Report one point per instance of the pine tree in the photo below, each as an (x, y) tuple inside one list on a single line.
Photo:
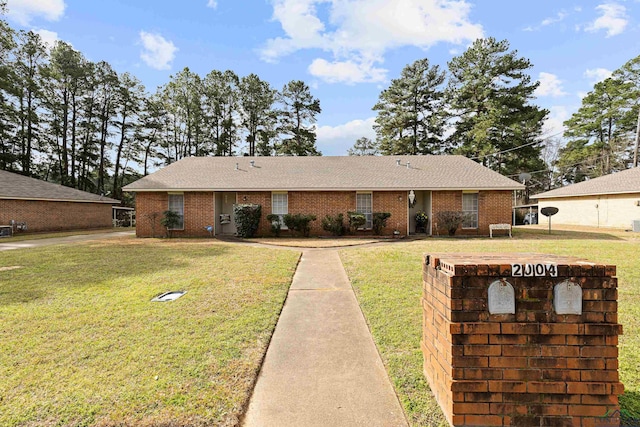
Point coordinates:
[(220, 106), (411, 117), (364, 147), (489, 94), (257, 114), (297, 119)]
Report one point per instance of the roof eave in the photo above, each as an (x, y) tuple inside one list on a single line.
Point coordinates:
[(44, 199), (457, 188)]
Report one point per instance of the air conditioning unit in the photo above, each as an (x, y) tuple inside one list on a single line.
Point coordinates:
[(635, 225)]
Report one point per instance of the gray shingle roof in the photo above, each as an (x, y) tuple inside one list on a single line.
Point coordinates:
[(15, 186), (624, 182), (324, 173)]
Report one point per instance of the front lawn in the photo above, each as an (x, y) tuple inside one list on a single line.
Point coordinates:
[(82, 344), (388, 284)]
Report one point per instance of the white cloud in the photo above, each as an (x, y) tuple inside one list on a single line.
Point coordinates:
[(23, 11), (349, 72), (336, 140), (357, 33), (553, 124), (212, 4), (554, 19), (550, 85), (559, 17), (613, 20), (596, 75), (157, 52), (48, 37)]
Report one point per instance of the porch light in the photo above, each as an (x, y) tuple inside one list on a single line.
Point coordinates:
[(412, 198)]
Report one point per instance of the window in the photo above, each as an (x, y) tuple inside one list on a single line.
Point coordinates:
[(364, 206), (176, 204), (470, 209), (280, 205)]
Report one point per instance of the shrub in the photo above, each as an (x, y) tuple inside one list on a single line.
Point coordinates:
[(450, 220), (299, 223), (356, 220), (170, 220), (334, 224), (276, 224), (380, 221), (247, 218)]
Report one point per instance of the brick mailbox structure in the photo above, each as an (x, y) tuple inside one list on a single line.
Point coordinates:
[(521, 339)]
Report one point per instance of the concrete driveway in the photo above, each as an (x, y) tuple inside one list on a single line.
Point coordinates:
[(38, 243)]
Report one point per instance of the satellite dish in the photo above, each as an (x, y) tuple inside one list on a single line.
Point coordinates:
[(524, 177)]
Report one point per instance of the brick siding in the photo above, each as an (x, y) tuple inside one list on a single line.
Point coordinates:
[(531, 368), (198, 213), (55, 216), (493, 206)]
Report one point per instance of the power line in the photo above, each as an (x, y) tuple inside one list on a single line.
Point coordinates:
[(518, 147)]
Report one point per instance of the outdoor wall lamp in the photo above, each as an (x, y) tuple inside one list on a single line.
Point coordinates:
[(412, 198)]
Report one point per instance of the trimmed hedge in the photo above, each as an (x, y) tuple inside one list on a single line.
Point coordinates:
[(299, 223), (247, 218)]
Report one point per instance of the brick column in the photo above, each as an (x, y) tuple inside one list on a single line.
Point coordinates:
[(534, 367)]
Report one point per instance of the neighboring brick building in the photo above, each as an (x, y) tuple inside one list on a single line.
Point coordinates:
[(44, 206), (203, 191)]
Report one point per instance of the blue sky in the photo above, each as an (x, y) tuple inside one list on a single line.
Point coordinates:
[(346, 50)]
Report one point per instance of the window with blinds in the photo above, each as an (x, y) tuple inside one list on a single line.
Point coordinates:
[(470, 209), (176, 204), (280, 205), (364, 206)]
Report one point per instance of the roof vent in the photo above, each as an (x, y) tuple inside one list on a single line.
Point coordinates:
[(253, 163), (237, 166), (397, 162), (408, 165)]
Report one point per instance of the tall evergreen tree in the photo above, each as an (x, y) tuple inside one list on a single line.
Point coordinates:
[(65, 74), (364, 147), (297, 119), (8, 89), (411, 117), (107, 87), (221, 100), (490, 95), (602, 132), (130, 94), (256, 102)]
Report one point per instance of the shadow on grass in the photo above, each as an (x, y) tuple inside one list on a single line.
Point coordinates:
[(538, 233), (630, 409), (80, 265)]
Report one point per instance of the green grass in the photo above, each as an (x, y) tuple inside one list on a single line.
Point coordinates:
[(388, 285), (81, 344)]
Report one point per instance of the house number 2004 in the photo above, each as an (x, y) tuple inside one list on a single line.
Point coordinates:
[(531, 270)]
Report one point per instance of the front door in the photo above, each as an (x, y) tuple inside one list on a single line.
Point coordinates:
[(225, 224), (422, 204)]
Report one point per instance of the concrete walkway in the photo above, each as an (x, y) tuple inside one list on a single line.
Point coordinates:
[(37, 243), (322, 367)]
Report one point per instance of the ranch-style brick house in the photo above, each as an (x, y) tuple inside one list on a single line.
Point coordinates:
[(45, 206), (203, 190)]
